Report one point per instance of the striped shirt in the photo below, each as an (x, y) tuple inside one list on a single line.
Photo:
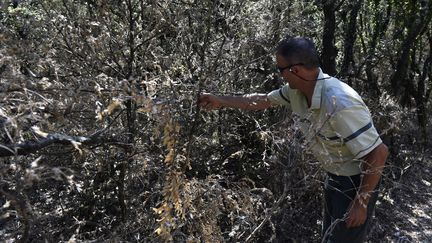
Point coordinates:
[(338, 126)]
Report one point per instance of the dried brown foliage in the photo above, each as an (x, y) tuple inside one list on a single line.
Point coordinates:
[(101, 137)]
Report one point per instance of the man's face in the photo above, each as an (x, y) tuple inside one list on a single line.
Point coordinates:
[(287, 72)]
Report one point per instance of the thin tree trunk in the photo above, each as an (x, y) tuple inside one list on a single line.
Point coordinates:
[(415, 27), (421, 102), (380, 27), (350, 38), (329, 51), (429, 71)]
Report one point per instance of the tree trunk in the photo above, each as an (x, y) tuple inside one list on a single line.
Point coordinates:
[(420, 98), (350, 38), (429, 71), (329, 51), (415, 27), (380, 27)]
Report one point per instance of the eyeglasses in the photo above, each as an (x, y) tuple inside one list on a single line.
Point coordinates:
[(281, 69)]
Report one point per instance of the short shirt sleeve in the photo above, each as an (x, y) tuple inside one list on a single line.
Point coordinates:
[(280, 96), (354, 125)]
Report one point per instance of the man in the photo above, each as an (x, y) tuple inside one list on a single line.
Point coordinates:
[(338, 129)]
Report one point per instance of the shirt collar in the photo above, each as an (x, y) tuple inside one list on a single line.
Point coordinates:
[(316, 97)]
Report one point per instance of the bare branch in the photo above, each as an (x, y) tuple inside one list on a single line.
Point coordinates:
[(31, 147)]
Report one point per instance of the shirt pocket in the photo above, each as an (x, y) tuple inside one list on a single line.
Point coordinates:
[(329, 138)]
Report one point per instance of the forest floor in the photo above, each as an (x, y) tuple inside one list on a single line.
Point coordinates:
[(404, 212)]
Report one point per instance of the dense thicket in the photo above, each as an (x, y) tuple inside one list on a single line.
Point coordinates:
[(102, 139)]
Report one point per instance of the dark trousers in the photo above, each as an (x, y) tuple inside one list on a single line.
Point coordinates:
[(339, 191)]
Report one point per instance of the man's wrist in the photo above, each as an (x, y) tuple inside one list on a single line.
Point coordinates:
[(363, 198)]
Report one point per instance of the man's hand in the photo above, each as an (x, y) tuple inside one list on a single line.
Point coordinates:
[(357, 213), (209, 101)]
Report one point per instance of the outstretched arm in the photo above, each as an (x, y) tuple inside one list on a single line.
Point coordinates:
[(245, 102)]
